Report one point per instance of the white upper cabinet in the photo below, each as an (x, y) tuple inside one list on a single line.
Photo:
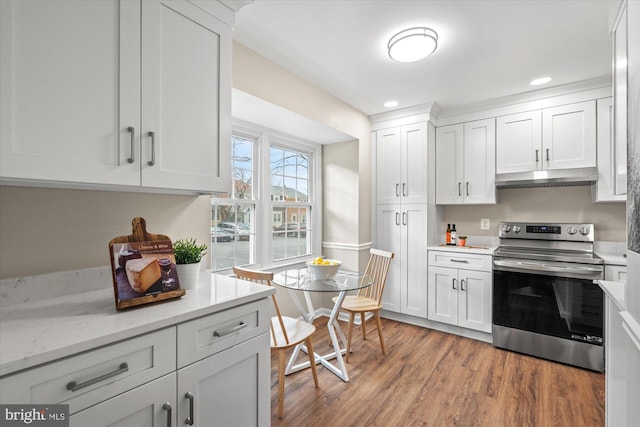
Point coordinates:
[(85, 85), (465, 163), (401, 164), (562, 137)]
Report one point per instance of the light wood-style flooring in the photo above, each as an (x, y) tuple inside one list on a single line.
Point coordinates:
[(430, 378)]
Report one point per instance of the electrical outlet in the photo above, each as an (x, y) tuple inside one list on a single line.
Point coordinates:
[(485, 224)]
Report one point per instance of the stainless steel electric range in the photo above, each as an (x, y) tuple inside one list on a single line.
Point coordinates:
[(545, 302)]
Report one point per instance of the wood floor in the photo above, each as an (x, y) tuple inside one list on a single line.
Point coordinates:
[(430, 378)]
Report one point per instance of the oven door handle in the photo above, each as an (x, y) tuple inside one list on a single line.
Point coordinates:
[(546, 267)]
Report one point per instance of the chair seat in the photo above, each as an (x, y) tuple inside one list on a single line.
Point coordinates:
[(297, 331), (358, 304)]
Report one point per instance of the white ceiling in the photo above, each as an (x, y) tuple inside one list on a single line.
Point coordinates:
[(487, 48)]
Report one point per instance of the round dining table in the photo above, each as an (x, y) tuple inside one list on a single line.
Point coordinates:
[(300, 283)]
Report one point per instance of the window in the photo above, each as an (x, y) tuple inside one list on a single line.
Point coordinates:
[(267, 219), (290, 187)]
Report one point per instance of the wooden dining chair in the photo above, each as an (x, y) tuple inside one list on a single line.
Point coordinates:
[(368, 300), (286, 332)]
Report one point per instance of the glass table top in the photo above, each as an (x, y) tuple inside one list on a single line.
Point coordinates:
[(299, 279)]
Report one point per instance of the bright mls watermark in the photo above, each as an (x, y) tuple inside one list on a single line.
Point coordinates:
[(35, 415)]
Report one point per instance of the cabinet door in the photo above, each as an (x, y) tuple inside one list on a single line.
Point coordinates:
[(69, 78), (186, 89), (141, 407), (443, 295), (474, 300), (230, 388), (518, 142), (414, 163), (413, 261), (449, 175), (620, 95), (569, 136), (388, 238), (388, 172), (480, 161), (607, 188)]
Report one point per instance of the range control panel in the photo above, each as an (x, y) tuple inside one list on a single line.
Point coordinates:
[(546, 231)]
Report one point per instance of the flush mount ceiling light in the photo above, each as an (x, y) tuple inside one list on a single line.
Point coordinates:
[(412, 44), (540, 81), (391, 104)]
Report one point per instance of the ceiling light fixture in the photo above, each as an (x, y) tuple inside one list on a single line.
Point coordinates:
[(540, 81), (391, 104), (412, 44)]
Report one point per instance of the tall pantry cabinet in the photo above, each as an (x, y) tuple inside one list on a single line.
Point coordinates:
[(126, 93), (402, 206)]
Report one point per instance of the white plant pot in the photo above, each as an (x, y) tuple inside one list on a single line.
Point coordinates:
[(188, 275)]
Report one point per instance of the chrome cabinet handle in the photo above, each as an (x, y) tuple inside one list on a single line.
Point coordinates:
[(404, 218), (397, 218), (229, 331), (153, 148), (454, 283), (462, 284), (397, 190), (74, 386), (537, 159), (132, 131), (464, 261), (167, 407), (459, 189), (467, 188), (547, 154), (404, 189), (189, 420)]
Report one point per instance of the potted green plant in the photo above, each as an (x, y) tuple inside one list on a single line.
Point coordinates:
[(188, 255), (462, 240)]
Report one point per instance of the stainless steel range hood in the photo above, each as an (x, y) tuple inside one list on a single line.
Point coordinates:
[(550, 178)]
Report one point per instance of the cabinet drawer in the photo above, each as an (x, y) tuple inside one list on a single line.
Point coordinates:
[(208, 335), (462, 261), (94, 376)]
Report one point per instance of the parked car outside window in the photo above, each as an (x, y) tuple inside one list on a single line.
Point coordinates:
[(219, 234), (240, 230), (292, 229)]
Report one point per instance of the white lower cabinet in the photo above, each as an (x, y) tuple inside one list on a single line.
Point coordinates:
[(152, 404), (459, 289), (212, 370), (229, 388), (616, 273)]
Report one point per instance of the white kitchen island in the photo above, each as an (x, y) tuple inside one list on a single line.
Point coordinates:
[(201, 357)]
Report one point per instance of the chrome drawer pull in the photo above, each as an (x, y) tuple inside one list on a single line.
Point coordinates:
[(460, 260), (74, 386), (229, 331), (153, 148), (189, 420), (167, 407), (132, 130)]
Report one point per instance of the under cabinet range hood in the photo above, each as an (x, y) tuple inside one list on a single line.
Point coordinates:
[(548, 178)]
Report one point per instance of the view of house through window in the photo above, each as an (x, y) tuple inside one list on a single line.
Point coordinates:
[(286, 204)]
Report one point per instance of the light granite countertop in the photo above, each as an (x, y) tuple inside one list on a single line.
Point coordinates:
[(40, 331)]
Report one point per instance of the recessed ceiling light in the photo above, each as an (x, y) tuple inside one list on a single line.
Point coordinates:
[(391, 104), (540, 81), (412, 44)]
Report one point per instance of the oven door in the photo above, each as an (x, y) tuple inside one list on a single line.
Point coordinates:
[(540, 298)]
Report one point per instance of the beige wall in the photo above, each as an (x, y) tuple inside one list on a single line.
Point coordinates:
[(49, 230), (259, 77), (553, 204)]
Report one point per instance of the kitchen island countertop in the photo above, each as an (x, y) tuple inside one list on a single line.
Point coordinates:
[(37, 332)]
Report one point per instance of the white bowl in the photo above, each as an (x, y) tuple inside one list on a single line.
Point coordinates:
[(320, 272)]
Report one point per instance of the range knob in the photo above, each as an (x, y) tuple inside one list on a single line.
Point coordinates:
[(572, 230), (506, 228), (516, 229), (584, 230)]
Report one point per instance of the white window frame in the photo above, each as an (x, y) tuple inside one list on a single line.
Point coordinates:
[(263, 205)]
